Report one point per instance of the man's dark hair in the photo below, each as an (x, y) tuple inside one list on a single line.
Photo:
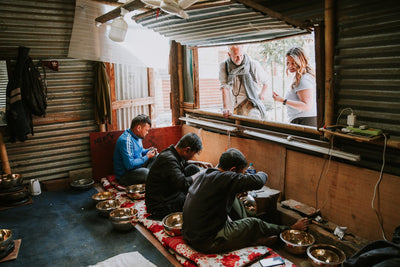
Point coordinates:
[(232, 158), (140, 119), (191, 140)]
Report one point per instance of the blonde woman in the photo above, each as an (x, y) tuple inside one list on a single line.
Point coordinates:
[(300, 100)]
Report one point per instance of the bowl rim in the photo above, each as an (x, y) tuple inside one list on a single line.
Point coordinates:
[(107, 200), (112, 195), (9, 238), (297, 245), (342, 256), (123, 218), (76, 184), (169, 215), (133, 192)]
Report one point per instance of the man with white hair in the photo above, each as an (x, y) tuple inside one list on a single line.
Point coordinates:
[(240, 79)]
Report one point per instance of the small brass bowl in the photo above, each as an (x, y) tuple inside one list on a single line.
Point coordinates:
[(325, 255), (173, 223), (5, 238), (123, 214), (136, 191), (103, 196), (106, 206), (82, 184), (121, 218), (10, 180), (296, 241)]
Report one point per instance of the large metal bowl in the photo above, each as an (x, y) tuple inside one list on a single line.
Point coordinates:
[(122, 218), (5, 238), (82, 184), (10, 180), (296, 241), (103, 196), (325, 255), (136, 191), (106, 206), (173, 223)]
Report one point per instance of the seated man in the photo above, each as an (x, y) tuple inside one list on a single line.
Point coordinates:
[(209, 201), (131, 160), (171, 175)]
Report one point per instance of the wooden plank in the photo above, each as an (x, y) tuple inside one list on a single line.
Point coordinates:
[(130, 6), (344, 193), (133, 103)]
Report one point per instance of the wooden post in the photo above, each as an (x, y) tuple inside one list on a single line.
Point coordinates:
[(4, 156), (174, 81), (329, 56), (180, 78), (151, 91)]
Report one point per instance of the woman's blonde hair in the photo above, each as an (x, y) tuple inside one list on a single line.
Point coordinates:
[(299, 56)]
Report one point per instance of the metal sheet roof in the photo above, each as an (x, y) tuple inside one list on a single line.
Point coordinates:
[(218, 25)]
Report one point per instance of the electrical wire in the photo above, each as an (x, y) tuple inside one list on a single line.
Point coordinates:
[(378, 215), (321, 174), (340, 114)]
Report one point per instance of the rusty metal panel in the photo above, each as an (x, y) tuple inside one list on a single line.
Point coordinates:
[(43, 26), (61, 139), (367, 63)]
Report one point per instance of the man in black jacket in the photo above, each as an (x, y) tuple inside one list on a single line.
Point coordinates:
[(171, 175), (209, 202)]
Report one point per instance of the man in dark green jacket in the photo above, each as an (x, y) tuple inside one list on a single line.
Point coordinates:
[(209, 202)]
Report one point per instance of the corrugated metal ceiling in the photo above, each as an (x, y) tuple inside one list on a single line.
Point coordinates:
[(219, 25)]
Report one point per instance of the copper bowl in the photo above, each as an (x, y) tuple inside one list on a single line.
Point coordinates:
[(10, 180), (122, 218), (106, 206), (325, 255), (103, 196), (5, 238), (136, 191), (173, 223), (296, 241)]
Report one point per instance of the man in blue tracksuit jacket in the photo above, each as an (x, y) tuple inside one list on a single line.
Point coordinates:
[(131, 160)]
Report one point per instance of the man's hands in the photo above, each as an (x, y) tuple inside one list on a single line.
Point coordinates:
[(152, 152), (226, 113)]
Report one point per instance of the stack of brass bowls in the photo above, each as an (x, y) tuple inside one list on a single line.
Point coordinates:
[(12, 191), (6, 242), (173, 223), (122, 218), (101, 196), (106, 206), (296, 241), (136, 191)]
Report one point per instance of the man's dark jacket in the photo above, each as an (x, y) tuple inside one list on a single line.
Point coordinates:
[(166, 184)]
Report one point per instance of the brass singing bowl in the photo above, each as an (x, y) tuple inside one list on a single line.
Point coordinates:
[(10, 180), (296, 241), (325, 255), (103, 196), (82, 184), (172, 223), (136, 191), (5, 238), (121, 218), (106, 206)]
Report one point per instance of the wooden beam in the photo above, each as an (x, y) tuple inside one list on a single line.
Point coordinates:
[(329, 58), (133, 5), (133, 102), (274, 14)]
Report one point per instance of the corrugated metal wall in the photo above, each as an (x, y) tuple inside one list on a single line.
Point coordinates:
[(367, 63), (130, 83), (61, 139)]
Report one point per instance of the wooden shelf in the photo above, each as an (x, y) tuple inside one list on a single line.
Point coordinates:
[(356, 137)]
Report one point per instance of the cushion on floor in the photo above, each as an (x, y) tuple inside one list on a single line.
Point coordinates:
[(186, 255)]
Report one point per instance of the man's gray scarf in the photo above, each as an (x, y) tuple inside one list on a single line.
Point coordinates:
[(248, 79)]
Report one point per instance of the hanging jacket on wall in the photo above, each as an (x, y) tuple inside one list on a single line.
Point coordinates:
[(19, 120)]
